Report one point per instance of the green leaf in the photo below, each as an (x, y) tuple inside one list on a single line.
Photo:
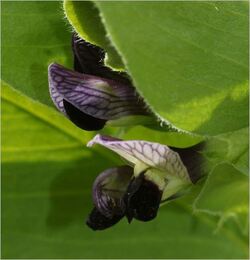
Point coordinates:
[(175, 139), (225, 193), (231, 148), (34, 34), (46, 196), (188, 60), (26, 137), (84, 17)]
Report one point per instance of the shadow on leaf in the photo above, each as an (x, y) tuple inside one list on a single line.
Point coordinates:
[(70, 192)]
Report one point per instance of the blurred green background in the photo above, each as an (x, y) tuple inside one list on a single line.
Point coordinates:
[(47, 171)]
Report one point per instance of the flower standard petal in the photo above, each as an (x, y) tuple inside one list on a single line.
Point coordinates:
[(96, 97), (56, 97), (94, 94), (81, 119), (151, 154)]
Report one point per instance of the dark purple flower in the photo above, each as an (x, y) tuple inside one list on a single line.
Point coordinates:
[(155, 173), (93, 94)]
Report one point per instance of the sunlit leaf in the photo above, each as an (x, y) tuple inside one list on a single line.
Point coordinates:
[(189, 60)]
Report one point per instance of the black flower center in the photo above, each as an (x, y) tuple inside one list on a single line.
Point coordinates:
[(97, 221), (142, 199), (81, 119)]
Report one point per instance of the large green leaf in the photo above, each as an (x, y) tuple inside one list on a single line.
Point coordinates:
[(189, 60), (33, 36)]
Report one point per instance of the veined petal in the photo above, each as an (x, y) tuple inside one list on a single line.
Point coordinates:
[(81, 119), (109, 189), (56, 97), (152, 154), (108, 196), (101, 98), (94, 94)]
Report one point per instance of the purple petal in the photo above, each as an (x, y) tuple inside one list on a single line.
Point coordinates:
[(89, 59), (79, 118), (109, 189), (193, 159), (56, 97), (151, 154), (97, 97)]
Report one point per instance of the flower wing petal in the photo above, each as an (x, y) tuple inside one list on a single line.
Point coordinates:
[(109, 189), (152, 154)]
